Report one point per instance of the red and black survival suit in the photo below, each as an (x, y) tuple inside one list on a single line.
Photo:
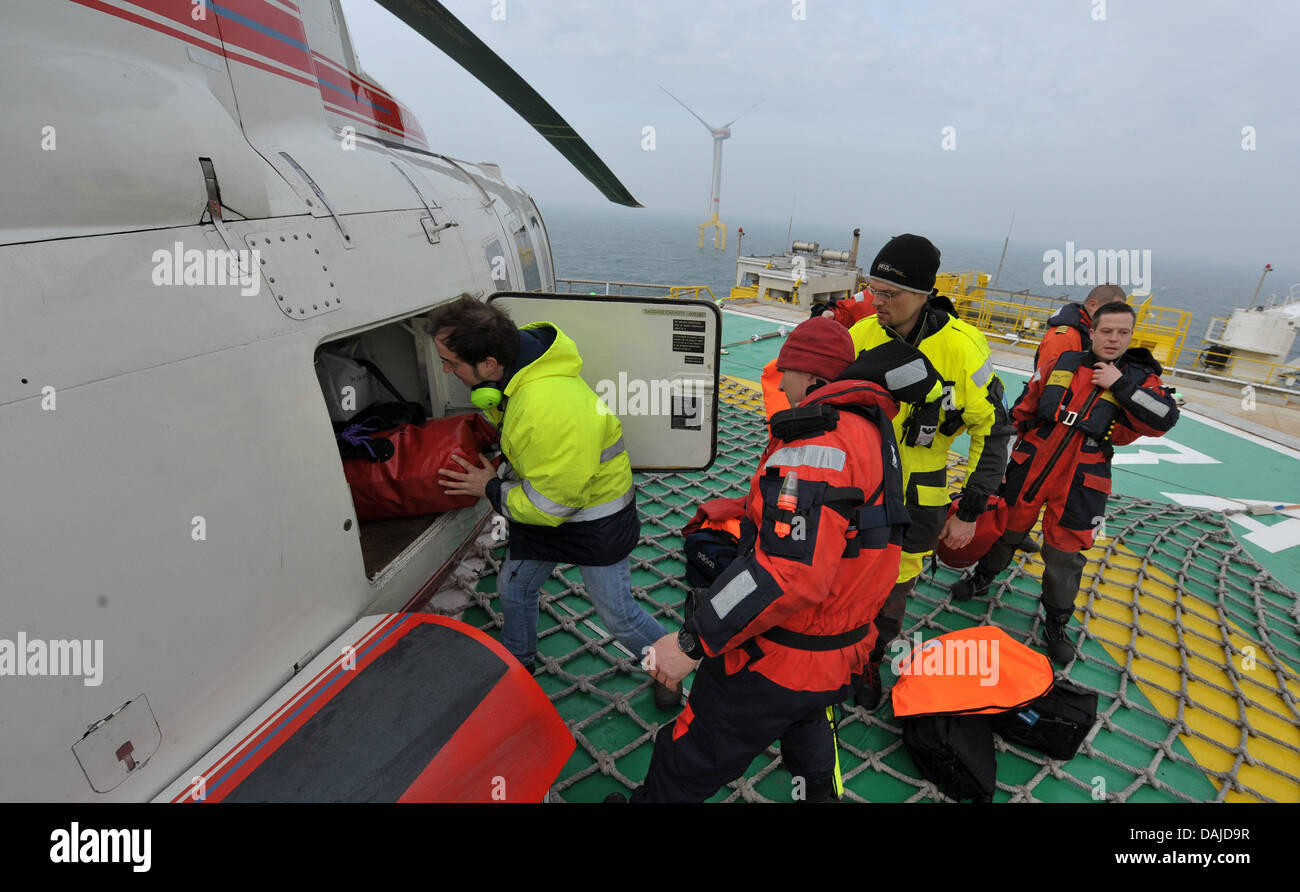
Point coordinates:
[(787, 628), (1061, 459)]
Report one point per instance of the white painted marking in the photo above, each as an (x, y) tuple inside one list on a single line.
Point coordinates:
[(771, 319), (1179, 454), (1270, 537)]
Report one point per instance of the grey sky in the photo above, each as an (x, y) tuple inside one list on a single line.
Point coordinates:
[(1120, 133)]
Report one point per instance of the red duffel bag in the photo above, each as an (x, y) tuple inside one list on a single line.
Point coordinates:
[(408, 484), (989, 526)]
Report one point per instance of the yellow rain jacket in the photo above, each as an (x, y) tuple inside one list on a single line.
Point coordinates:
[(972, 402), (569, 495)]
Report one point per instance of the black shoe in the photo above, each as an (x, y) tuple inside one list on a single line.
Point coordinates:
[(616, 797), (666, 697), (1030, 544), (973, 585), (1059, 647), (871, 691)]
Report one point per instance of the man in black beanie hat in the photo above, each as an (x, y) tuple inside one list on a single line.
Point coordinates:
[(901, 282)]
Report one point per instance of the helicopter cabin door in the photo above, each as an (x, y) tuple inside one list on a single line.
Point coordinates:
[(654, 362)]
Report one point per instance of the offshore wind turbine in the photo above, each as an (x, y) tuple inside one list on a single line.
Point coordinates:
[(719, 134)]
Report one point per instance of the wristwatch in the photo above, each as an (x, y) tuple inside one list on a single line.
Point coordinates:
[(689, 645)]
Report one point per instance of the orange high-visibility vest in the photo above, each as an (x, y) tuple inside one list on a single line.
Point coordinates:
[(774, 399), (967, 672)]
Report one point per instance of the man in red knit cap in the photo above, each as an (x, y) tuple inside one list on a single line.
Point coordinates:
[(785, 631)]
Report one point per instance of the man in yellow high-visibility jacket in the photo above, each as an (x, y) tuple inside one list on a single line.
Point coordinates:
[(902, 287), (571, 498)]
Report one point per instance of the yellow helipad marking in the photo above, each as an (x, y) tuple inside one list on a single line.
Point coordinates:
[(753, 402), (1148, 626)]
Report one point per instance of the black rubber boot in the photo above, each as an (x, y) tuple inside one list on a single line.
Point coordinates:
[(666, 697), (870, 692), (974, 584), (1030, 544), (821, 792), (1060, 648), (888, 623)]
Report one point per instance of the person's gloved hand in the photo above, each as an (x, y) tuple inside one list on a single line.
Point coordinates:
[(820, 308)]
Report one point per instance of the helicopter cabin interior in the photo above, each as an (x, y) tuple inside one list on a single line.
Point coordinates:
[(392, 363)]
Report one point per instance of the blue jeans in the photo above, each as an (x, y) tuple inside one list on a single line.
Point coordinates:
[(608, 588)]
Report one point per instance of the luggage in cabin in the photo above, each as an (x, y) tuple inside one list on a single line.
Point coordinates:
[(362, 437), (408, 484), (353, 386), (1054, 724)]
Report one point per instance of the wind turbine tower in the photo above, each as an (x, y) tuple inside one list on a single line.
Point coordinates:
[(719, 134)]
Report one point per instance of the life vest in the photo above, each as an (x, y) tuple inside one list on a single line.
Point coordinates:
[(875, 519), (1096, 418), (981, 670), (958, 350)]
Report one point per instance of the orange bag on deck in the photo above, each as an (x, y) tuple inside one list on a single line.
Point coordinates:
[(967, 672), (408, 484)]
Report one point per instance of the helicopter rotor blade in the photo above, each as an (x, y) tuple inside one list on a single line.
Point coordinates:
[(435, 23)]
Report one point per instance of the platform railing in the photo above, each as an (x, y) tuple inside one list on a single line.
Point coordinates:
[(633, 289)]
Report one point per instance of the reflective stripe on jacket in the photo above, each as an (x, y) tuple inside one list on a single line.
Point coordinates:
[(568, 461), (972, 403), (794, 570)]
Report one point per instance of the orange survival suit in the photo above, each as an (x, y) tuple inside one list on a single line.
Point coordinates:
[(787, 628)]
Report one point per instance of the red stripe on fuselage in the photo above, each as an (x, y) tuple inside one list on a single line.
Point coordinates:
[(232, 35)]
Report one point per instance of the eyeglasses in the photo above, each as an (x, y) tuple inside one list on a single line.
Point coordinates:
[(886, 294)]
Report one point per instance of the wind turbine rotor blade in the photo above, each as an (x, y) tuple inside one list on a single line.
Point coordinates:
[(432, 21), (742, 114), (688, 108)]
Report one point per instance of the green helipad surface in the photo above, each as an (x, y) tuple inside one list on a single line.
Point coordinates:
[(1190, 643)]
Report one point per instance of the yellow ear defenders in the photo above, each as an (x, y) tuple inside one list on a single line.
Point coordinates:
[(486, 395)]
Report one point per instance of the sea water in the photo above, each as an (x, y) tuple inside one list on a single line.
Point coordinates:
[(644, 245)]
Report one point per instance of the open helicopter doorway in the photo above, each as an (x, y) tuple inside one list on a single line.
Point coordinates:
[(373, 382), (653, 362)]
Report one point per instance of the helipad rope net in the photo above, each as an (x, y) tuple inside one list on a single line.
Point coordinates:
[(1192, 647)]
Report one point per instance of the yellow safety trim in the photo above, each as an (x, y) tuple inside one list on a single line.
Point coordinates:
[(1060, 379), (835, 744), (1151, 632)]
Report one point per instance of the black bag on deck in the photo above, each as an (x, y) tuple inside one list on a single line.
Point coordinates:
[(955, 753), (1055, 724)]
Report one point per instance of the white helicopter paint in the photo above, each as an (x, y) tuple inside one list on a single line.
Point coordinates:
[(171, 483)]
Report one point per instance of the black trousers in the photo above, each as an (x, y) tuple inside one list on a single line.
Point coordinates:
[(730, 720)]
